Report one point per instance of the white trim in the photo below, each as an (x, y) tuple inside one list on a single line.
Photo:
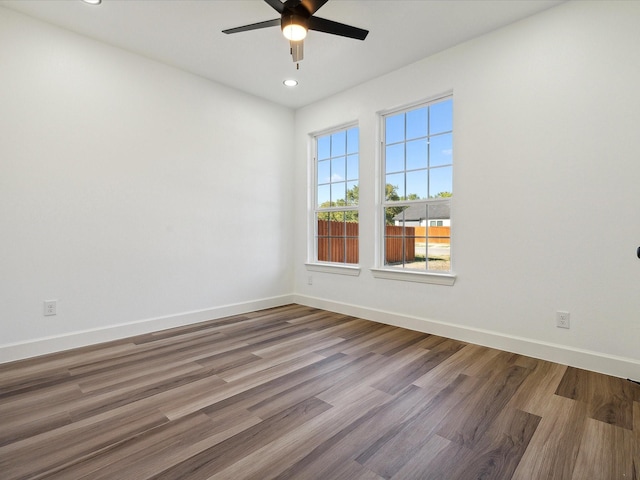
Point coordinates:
[(412, 276), (334, 129), (409, 106), (43, 346), (623, 367), (341, 269)]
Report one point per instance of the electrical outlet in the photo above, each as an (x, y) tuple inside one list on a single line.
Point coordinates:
[(309, 280), (562, 319), (50, 307)]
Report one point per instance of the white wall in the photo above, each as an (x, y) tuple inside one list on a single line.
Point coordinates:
[(131, 191), (546, 141)]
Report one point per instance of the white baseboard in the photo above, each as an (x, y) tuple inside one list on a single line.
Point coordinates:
[(43, 346), (588, 360)]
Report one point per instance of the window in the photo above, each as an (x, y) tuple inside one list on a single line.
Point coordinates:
[(417, 166), (336, 197)]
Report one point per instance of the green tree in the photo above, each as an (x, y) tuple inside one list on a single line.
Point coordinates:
[(391, 194), (353, 196)]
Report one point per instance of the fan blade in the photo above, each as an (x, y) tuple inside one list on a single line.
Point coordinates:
[(254, 26), (335, 28), (277, 5), (313, 6)]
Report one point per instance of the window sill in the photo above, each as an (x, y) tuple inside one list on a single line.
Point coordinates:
[(447, 279), (333, 268)]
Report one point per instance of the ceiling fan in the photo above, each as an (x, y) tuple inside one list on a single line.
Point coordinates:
[(296, 18)]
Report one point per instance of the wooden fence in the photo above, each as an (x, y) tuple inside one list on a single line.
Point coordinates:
[(435, 234), (332, 245), (338, 241), (394, 242)]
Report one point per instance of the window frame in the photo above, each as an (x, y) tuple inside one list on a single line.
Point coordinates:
[(380, 269), (313, 264)]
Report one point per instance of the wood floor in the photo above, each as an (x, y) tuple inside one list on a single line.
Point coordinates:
[(300, 393)]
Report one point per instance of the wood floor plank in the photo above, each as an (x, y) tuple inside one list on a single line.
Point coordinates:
[(539, 387), (610, 399), (51, 451), (377, 369), (139, 456), (311, 387), (468, 360), (275, 387), (417, 368), (407, 438), (214, 459), (606, 451), (470, 419), (356, 436), (302, 393), (498, 455), (554, 447), (422, 463), (292, 448), (204, 396), (39, 404)]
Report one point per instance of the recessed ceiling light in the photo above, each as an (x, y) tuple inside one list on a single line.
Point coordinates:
[(290, 82), (93, 2)]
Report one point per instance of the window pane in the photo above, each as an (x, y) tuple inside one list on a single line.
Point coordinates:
[(393, 240), (322, 240), (394, 216), (394, 128), (417, 154), (324, 172), (417, 258), (338, 143), (352, 141), (441, 150), (440, 181), (352, 250), (410, 244), (338, 169), (441, 117), (337, 237), (394, 158), (338, 193), (352, 193), (417, 184), (417, 123), (324, 195), (439, 246), (396, 180), (324, 147), (352, 167), (336, 225)]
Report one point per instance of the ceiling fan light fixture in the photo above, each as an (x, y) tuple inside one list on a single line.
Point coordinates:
[(93, 2), (294, 27), (290, 82)]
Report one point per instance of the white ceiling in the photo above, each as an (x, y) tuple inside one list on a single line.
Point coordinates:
[(187, 34)]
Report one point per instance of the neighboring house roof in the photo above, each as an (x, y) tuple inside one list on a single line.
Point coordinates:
[(415, 213)]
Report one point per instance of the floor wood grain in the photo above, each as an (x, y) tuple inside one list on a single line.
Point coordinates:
[(300, 393)]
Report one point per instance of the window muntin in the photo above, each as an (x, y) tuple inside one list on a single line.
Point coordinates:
[(417, 155), (336, 199)]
